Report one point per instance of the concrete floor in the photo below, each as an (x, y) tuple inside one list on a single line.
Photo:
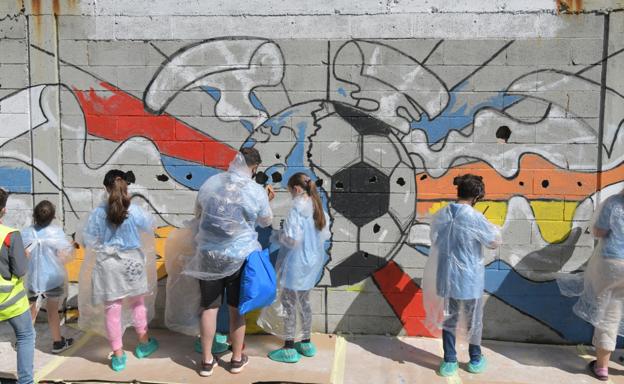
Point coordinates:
[(341, 360)]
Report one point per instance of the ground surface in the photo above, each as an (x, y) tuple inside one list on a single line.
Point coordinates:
[(348, 359)]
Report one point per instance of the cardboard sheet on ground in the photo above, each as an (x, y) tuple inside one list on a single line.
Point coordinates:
[(176, 362)]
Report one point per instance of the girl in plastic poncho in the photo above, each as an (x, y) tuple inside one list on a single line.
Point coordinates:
[(299, 267), (49, 250), (454, 274), (601, 301), (118, 270)]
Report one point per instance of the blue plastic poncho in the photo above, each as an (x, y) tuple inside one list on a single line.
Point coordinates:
[(454, 274), (601, 285), (49, 250), (231, 205), (299, 265), (120, 262)]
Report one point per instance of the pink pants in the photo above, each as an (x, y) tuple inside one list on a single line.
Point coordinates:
[(113, 319)]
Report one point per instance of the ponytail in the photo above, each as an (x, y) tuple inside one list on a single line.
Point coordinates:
[(302, 180), (118, 202)]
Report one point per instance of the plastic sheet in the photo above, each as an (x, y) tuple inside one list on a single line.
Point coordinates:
[(299, 267), (49, 250), (601, 286), (231, 204), (182, 309), (454, 274), (115, 267)]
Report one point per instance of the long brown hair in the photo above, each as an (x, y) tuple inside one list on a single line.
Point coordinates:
[(118, 201), (302, 180)]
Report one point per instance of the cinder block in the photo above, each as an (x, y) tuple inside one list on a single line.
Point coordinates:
[(137, 27), (357, 303), (118, 53), (13, 27), (375, 325), (13, 76), (74, 51), (380, 26), (86, 27), (13, 51)]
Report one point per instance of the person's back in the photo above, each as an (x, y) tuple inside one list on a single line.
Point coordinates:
[(461, 233), (611, 221), (125, 236)]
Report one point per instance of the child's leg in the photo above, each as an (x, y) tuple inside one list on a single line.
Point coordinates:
[(54, 321), (139, 318), (34, 311), (112, 310), (448, 333), (474, 314), (305, 311), (289, 302)]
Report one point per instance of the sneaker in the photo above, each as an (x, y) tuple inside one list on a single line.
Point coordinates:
[(118, 363), (601, 374), (477, 367), (219, 344), (60, 346), (144, 350), (306, 349), (447, 369), (285, 355), (207, 368), (237, 366)]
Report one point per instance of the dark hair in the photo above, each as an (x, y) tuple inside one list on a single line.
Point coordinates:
[(302, 180), (109, 178), (118, 199), (252, 156), (469, 187), (44, 213), (4, 196)]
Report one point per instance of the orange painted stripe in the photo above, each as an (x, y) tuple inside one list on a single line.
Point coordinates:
[(537, 179)]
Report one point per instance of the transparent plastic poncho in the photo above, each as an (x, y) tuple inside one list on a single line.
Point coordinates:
[(183, 300), (299, 267), (600, 287), (232, 204), (114, 268), (49, 250), (453, 278)]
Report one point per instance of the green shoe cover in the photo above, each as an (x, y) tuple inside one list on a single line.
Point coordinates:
[(306, 349), (219, 344), (478, 367), (118, 363), (144, 350), (285, 355), (447, 369)]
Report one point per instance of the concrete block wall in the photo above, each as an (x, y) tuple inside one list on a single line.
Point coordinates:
[(382, 103)]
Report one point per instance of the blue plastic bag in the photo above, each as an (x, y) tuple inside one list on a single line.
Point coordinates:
[(258, 282)]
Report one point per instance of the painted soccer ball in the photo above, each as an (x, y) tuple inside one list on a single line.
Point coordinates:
[(364, 172)]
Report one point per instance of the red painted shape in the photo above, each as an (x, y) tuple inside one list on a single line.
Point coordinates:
[(405, 298), (121, 116)]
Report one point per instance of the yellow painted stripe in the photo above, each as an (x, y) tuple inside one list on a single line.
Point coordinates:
[(60, 359), (340, 354), (454, 379)]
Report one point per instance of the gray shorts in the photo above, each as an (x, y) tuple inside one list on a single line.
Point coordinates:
[(53, 293)]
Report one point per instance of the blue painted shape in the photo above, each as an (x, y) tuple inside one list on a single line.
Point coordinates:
[(540, 300), (247, 124), (342, 92), (253, 98), (179, 170), (423, 249), (213, 92), (457, 117), (277, 122), (16, 180)]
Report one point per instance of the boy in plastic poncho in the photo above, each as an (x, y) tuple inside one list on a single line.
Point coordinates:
[(454, 274), (49, 250), (230, 206)]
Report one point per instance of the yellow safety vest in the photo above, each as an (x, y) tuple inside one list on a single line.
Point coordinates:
[(13, 298)]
